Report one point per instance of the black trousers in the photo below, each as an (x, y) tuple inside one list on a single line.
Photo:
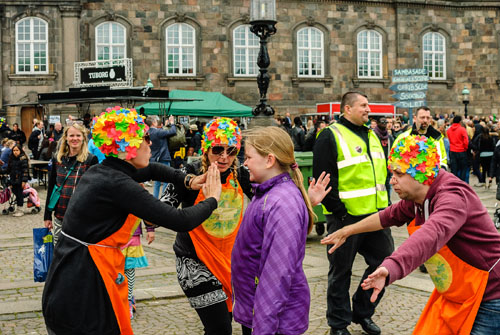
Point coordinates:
[(374, 247), (216, 319)]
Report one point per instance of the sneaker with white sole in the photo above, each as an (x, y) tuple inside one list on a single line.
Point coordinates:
[(19, 212)]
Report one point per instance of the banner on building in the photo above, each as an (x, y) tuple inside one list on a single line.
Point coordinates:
[(113, 73)]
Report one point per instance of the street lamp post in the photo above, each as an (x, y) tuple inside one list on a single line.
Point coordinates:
[(465, 99), (263, 21)]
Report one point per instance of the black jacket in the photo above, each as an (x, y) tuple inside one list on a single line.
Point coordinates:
[(18, 169), (75, 299), (18, 136)]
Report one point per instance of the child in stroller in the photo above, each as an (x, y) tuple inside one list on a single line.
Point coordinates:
[(9, 198)]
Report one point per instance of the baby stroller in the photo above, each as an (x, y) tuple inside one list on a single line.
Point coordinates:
[(6, 196), (496, 216)]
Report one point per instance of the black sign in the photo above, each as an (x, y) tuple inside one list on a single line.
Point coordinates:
[(111, 74)]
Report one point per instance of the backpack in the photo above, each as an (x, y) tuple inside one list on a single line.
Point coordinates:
[(178, 140)]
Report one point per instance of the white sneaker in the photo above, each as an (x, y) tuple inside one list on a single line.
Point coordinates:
[(479, 185), (19, 212), (32, 181), (147, 183)]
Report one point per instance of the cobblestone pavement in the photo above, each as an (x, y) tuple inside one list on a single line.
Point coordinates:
[(162, 308)]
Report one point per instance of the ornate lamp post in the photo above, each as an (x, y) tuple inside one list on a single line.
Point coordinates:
[(465, 99), (263, 21)]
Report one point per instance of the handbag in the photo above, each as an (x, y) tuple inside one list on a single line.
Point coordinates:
[(43, 248), (56, 192)]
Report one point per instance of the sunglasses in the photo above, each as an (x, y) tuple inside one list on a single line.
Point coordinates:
[(147, 139), (219, 150)]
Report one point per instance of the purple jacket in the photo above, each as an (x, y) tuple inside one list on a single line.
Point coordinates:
[(270, 289), (458, 219)]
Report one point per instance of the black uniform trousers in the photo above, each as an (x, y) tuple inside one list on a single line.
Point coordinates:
[(374, 247)]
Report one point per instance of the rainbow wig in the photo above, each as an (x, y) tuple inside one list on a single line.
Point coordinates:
[(417, 156), (118, 132), (2, 121), (219, 131)]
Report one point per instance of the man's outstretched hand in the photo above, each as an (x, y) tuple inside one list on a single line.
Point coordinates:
[(376, 281)]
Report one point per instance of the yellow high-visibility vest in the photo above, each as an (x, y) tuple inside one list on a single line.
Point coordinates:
[(361, 182)]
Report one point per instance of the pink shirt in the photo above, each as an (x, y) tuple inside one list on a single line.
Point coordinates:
[(456, 218)]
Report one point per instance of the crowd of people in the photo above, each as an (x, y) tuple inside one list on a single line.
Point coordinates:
[(239, 247)]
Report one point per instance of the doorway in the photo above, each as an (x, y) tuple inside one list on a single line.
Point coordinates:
[(27, 116)]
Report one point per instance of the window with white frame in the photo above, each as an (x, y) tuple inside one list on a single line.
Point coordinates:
[(369, 54), (245, 51), (310, 52), (110, 41), (32, 46), (434, 54), (181, 50)]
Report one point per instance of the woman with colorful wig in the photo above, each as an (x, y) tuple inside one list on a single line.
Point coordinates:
[(86, 289), (203, 255)]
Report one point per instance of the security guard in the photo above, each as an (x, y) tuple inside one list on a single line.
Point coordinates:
[(354, 157), (422, 126)]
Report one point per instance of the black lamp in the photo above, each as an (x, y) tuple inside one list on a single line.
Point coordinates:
[(263, 21)]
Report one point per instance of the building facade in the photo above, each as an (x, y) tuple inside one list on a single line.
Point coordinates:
[(322, 49)]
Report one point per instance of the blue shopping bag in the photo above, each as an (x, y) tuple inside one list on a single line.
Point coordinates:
[(43, 248)]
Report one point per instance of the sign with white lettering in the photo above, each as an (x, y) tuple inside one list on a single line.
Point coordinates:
[(115, 72), (102, 74), (410, 86)]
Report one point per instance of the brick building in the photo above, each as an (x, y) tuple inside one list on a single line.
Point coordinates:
[(322, 49)]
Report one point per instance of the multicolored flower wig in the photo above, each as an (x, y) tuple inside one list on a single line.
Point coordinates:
[(417, 156), (219, 131), (2, 121), (119, 131)]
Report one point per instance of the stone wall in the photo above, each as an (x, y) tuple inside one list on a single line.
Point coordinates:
[(471, 29)]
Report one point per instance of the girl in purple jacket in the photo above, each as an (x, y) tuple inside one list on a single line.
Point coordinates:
[(270, 290)]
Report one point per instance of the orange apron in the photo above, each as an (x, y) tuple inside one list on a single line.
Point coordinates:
[(459, 289), (213, 240), (110, 262)]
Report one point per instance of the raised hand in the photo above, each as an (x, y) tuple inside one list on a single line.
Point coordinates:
[(212, 186), (317, 189)]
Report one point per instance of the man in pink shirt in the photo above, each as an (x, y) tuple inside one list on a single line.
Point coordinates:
[(450, 230), (459, 142)]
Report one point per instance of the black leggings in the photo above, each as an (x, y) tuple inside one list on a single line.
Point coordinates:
[(216, 319), (17, 189)]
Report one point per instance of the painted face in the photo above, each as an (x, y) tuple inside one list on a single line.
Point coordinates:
[(256, 164), (143, 154), (404, 185), (74, 138), (222, 155), (358, 112), (16, 152), (423, 119)]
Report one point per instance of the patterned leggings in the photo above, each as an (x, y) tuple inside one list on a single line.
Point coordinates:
[(130, 273)]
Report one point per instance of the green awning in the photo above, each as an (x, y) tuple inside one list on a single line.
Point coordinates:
[(207, 104)]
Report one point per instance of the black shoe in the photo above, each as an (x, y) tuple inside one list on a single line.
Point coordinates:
[(368, 326), (422, 268), (342, 331)]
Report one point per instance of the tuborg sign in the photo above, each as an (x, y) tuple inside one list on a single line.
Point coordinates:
[(116, 73)]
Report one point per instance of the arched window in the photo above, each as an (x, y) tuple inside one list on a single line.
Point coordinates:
[(110, 41), (181, 50), (246, 49), (32, 46), (369, 54), (434, 55), (310, 52)]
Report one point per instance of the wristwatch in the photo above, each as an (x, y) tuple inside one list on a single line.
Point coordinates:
[(188, 180)]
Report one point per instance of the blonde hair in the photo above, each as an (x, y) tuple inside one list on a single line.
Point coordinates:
[(64, 147), (277, 142)]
